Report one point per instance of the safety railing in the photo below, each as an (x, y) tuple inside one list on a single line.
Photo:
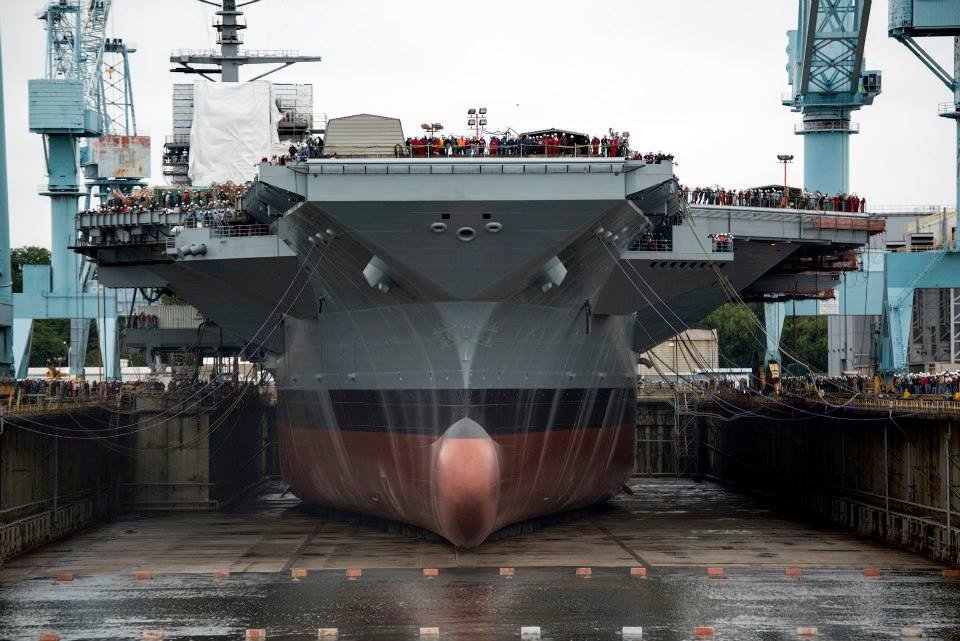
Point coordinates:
[(239, 231), (924, 405), (524, 150), (242, 53), (651, 245), (912, 210), (178, 139), (472, 150), (722, 245), (33, 404), (815, 127), (813, 218)]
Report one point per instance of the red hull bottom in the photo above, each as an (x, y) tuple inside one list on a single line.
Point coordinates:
[(463, 487)]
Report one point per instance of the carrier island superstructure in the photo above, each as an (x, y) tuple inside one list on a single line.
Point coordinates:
[(455, 340)]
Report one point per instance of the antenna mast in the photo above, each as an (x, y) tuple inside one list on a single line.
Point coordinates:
[(228, 61)]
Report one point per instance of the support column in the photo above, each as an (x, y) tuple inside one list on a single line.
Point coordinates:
[(22, 341), (826, 162), (774, 316), (79, 337), (107, 337), (6, 273), (956, 107)]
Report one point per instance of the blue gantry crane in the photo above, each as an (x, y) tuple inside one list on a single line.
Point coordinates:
[(6, 273), (126, 167), (828, 83), (906, 273), (825, 67), (66, 106)]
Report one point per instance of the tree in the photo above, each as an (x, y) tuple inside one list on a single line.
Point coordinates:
[(26, 256), (736, 334), (806, 338)]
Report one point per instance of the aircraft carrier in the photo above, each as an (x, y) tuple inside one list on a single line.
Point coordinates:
[(455, 340)]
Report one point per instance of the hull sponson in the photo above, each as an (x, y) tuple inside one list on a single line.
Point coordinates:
[(460, 418)]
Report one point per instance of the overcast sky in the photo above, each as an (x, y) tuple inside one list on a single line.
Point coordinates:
[(701, 79)]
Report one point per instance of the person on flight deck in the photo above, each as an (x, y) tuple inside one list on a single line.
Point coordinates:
[(438, 147), (604, 145), (595, 143), (494, 146), (461, 145), (863, 205), (614, 147)]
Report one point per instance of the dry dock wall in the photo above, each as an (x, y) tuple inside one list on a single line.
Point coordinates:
[(173, 456), (196, 457), (895, 480), (50, 487)]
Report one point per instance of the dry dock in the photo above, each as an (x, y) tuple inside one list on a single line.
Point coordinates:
[(674, 529)]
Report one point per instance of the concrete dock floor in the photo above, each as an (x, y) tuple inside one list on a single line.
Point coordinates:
[(674, 529)]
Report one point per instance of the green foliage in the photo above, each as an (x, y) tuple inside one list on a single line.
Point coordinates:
[(26, 256), (49, 338), (740, 339), (736, 334), (806, 338)]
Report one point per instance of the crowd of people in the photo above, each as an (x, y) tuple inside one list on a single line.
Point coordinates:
[(926, 383), (945, 384), (208, 207), (144, 321), (34, 391), (547, 144), (772, 197), (58, 388), (297, 152), (722, 243)]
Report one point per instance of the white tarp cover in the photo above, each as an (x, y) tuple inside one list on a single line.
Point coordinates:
[(234, 127)]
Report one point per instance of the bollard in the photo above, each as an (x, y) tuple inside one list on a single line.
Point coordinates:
[(298, 573), (585, 572), (911, 633), (221, 575), (49, 636), (872, 572), (640, 573), (633, 634), (431, 573), (153, 635), (508, 573), (807, 632), (429, 633), (530, 633), (794, 572), (142, 576), (254, 634), (328, 634), (354, 573), (716, 573), (64, 577), (704, 631)]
